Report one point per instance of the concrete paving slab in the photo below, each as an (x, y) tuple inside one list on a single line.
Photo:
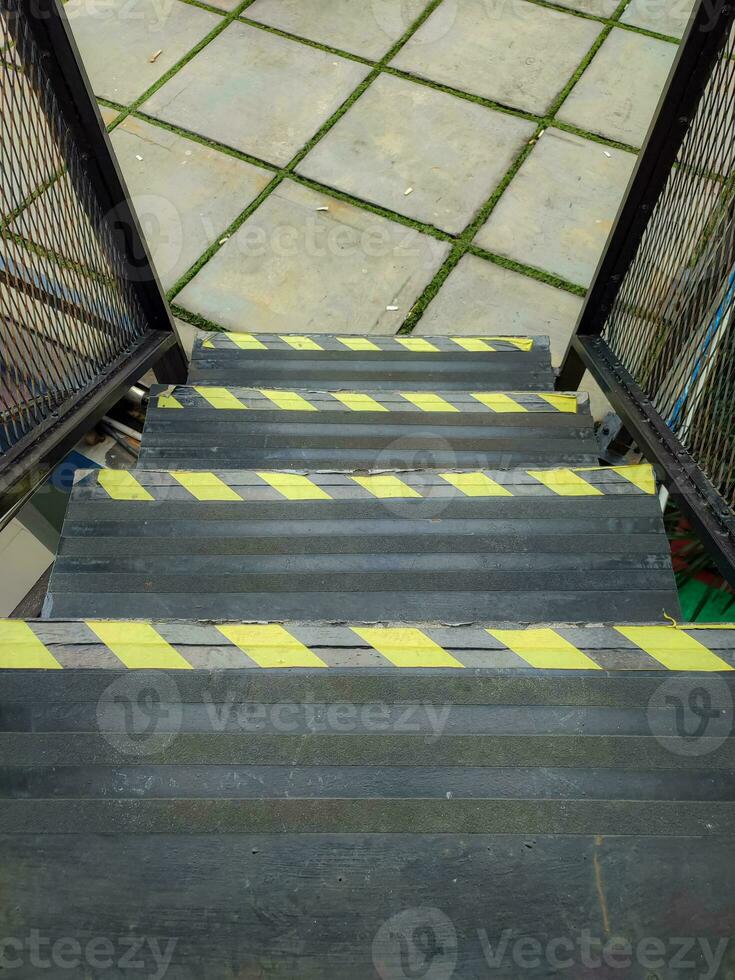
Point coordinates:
[(257, 92), (185, 194), (558, 210), (369, 29), (378, 151), (480, 297), (663, 16), (293, 267), (118, 38), (598, 8), (513, 52), (224, 5), (618, 93)]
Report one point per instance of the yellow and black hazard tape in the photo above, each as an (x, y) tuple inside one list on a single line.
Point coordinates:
[(250, 485), (271, 399), (362, 345), (48, 644)]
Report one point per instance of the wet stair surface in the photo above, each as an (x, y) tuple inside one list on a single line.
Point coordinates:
[(401, 657)]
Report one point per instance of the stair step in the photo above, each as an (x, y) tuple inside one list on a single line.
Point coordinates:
[(325, 361), (349, 806), (205, 426), (519, 547)]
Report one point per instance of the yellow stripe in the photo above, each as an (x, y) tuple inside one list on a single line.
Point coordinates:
[(294, 487), (641, 476), (498, 403), (122, 485), (427, 402), (545, 649), (291, 401), (168, 401), (385, 486), (20, 648), (522, 343), (358, 343), (359, 403), (205, 486), (565, 483), (246, 341), (473, 343), (562, 403), (484, 343), (220, 398), (139, 646), (301, 343), (673, 648), (407, 647), (208, 344), (476, 485), (417, 344), (271, 646)]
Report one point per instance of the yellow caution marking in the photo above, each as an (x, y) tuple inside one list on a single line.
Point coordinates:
[(220, 398), (122, 485), (138, 646), (473, 344), (522, 343), (358, 343), (271, 646), (294, 487), (562, 403), (497, 402), (417, 344), (205, 486), (358, 402), (168, 401), (407, 647), (246, 341), (208, 344), (427, 402), (301, 343), (673, 648), (545, 649), (385, 486), (290, 401), (476, 485), (20, 648), (641, 476), (565, 482)]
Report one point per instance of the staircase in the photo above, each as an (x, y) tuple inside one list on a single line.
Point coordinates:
[(369, 658)]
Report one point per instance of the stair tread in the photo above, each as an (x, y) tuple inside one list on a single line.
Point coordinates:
[(495, 363), (232, 427), (547, 545)]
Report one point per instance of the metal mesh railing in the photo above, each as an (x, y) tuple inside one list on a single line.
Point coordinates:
[(673, 322), (68, 308)]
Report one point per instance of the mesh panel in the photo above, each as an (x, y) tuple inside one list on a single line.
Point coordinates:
[(67, 310), (672, 324)]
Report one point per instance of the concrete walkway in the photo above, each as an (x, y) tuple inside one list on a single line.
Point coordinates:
[(436, 166)]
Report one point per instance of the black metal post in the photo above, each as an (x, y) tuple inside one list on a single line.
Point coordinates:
[(706, 36)]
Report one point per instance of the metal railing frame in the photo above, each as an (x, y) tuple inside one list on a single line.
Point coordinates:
[(698, 499), (25, 464)]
